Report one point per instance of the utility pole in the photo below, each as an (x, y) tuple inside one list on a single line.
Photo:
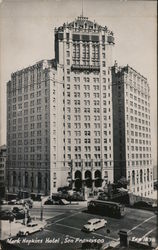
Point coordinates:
[(41, 210), (10, 227)]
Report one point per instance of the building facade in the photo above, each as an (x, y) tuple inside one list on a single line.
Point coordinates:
[(59, 114), (77, 120), (83, 49), (132, 129), (28, 129), (3, 158)]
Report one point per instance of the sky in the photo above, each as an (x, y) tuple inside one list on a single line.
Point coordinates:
[(27, 36)]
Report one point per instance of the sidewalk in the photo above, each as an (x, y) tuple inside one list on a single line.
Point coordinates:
[(8, 229)]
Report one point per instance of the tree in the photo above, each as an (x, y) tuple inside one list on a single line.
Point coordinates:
[(123, 182)]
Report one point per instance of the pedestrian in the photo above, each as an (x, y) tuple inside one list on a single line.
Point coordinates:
[(149, 241), (28, 219)]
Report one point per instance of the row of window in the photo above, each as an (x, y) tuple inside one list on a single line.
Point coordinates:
[(44, 140), (28, 149), (27, 134), (141, 121), (139, 163), (95, 102), (140, 100), (28, 180), (29, 157), (137, 89), (25, 104), (87, 87), (28, 163), (136, 148), (134, 133), (26, 118), (26, 97), (138, 176), (24, 89)]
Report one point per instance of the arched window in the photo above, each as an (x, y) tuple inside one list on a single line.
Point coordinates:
[(78, 179), (98, 178), (78, 175), (88, 178)]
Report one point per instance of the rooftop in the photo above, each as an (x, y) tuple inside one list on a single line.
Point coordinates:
[(83, 23)]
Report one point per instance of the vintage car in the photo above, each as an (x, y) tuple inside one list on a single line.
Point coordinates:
[(6, 215), (19, 213), (94, 224), (31, 228)]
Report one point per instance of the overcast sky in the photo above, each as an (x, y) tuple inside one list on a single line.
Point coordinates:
[(27, 36)]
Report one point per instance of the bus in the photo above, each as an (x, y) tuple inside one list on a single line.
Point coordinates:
[(107, 208)]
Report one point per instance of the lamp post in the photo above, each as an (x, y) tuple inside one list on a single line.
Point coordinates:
[(41, 210), (10, 221)]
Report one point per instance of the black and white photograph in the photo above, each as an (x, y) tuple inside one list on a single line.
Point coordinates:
[(78, 124)]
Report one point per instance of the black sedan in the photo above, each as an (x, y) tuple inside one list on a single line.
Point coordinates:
[(6, 215), (18, 213)]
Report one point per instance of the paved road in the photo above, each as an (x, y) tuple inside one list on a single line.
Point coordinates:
[(49, 211), (64, 228)]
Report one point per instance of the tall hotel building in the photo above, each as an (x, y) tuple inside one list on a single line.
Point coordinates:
[(84, 51), (132, 129), (59, 114), (60, 118)]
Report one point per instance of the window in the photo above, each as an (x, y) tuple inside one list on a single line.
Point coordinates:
[(67, 53)]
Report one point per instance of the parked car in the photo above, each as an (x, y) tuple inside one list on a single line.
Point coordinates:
[(12, 202), (16, 209), (3, 202), (6, 215), (18, 213), (143, 204), (94, 224), (49, 202), (76, 196), (64, 202), (28, 202), (31, 228), (59, 201)]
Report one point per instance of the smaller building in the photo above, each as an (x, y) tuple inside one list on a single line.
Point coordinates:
[(132, 130), (3, 156)]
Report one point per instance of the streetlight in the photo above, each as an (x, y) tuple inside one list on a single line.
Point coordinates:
[(41, 210), (43, 199), (10, 221)]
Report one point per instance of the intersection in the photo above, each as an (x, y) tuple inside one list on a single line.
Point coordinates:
[(64, 224)]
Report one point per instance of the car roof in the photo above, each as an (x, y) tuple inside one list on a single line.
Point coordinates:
[(32, 223), (93, 220)]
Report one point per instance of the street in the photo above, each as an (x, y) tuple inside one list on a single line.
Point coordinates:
[(64, 224)]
